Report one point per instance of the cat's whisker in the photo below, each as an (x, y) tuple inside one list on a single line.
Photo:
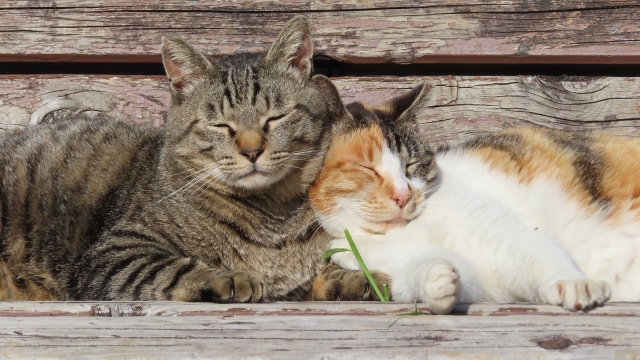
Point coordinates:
[(291, 166), (189, 184), (316, 217), (443, 201), (193, 173), (429, 191), (192, 184), (204, 183)]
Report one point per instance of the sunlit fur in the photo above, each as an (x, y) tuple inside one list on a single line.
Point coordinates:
[(367, 184), (360, 184), (98, 209), (523, 215)]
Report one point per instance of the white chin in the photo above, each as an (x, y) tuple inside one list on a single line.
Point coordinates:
[(255, 180)]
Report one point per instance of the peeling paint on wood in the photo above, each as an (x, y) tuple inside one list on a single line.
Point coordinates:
[(470, 31), (458, 108)]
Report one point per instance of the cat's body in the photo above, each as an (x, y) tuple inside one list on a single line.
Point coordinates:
[(522, 215), (211, 208), (48, 214)]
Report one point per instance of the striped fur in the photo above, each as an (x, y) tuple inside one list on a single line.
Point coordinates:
[(211, 208), (526, 214)]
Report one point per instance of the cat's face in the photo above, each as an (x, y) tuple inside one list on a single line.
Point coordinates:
[(248, 121), (377, 170)]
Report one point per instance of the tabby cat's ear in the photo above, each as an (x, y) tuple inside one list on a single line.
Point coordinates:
[(184, 65), (336, 107), (293, 49), (404, 107)]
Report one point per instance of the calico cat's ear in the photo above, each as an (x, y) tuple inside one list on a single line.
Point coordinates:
[(184, 65), (404, 107), (293, 48)]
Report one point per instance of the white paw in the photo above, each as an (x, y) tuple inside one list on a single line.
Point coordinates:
[(576, 294), (346, 260), (441, 287)]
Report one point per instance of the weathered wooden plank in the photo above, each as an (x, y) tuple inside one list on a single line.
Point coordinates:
[(572, 31), (22, 309), (303, 5), (343, 330), (31, 100), (460, 107)]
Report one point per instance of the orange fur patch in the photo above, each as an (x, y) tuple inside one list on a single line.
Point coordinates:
[(538, 154), (621, 181), (340, 177), (318, 290), (352, 172)]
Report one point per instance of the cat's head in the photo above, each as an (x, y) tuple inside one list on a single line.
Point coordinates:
[(249, 123), (377, 169)]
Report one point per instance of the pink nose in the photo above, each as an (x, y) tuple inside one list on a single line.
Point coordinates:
[(401, 197)]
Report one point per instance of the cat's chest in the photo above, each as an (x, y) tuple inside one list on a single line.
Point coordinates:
[(288, 265)]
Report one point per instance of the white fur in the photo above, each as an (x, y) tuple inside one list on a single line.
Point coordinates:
[(390, 166), (507, 241), (347, 218)]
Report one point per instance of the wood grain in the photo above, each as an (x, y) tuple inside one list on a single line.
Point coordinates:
[(9, 309), (458, 107), (336, 330), (468, 31)]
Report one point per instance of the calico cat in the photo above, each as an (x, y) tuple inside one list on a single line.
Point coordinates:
[(211, 208), (526, 214)]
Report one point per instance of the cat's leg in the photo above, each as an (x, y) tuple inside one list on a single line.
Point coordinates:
[(543, 265), (530, 265), (418, 272), (131, 267), (438, 278), (433, 281), (335, 283)]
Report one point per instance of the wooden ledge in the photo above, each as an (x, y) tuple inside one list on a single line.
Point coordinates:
[(310, 308), (313, 330)]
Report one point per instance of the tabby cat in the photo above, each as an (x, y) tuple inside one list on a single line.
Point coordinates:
[(522, 215), (211, 208)]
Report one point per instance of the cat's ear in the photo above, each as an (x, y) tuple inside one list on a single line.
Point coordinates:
[(184, 65), (293, 49), (336, 107), (404, 107)]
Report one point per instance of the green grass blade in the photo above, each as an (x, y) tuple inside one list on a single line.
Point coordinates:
[(385, 292), (330, 252), (364, 267), (397, 317)]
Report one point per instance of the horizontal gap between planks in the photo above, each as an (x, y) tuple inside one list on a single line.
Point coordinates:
[(333, 68)]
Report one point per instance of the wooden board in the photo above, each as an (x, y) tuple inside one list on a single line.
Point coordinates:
[(314, 330), (400, 31), (458, 108)]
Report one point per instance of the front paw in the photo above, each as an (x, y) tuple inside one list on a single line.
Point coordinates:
[(576, 294), (441, 287), (224, 287), (337, 284)]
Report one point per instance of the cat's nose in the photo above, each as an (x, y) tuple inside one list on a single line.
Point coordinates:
[(252, 154), (401, 196)]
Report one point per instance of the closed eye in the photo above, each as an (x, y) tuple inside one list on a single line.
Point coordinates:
[(226, 126), (369, 169), (271, 120), (411, 167)]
